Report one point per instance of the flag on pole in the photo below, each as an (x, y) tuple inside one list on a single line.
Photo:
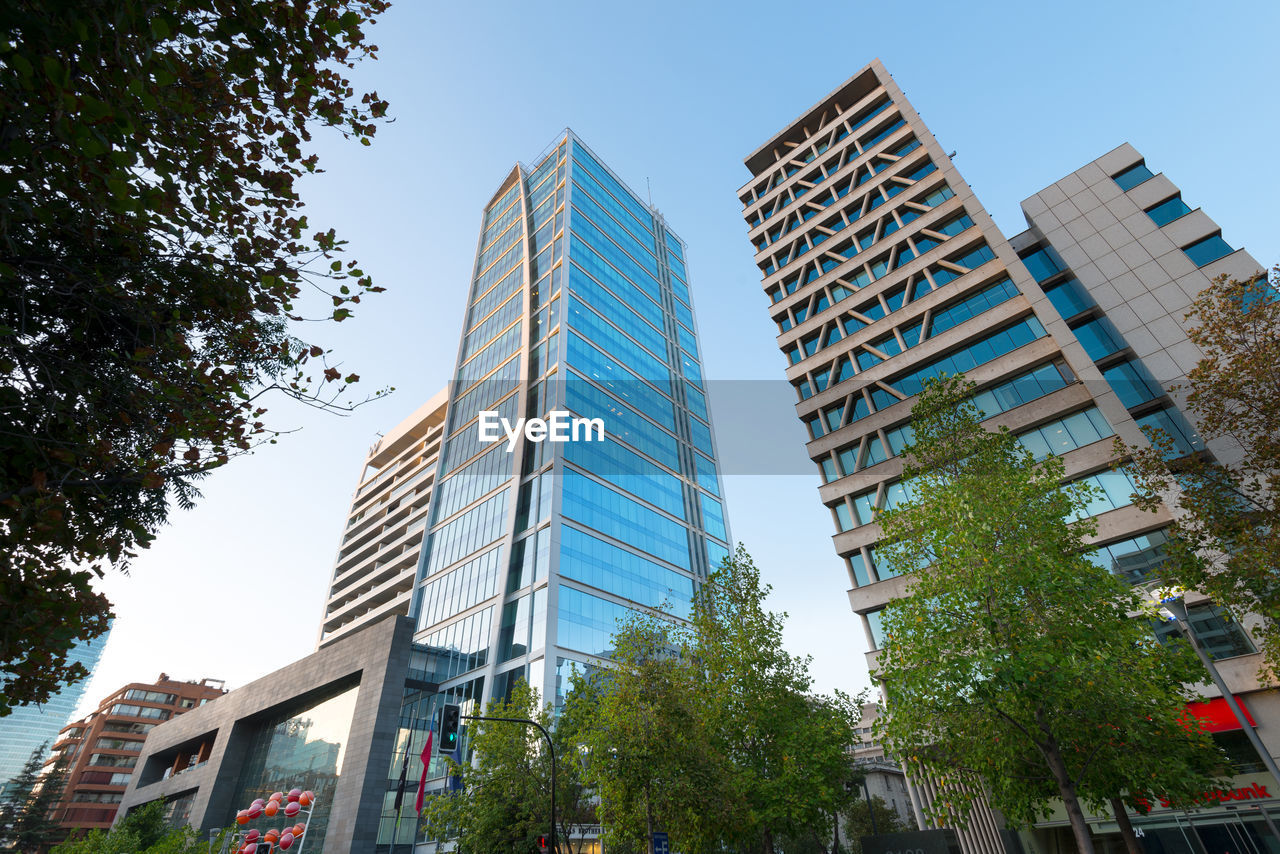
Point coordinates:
[(422, 781)]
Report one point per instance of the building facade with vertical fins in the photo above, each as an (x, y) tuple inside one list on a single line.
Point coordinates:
[(382, 541), (579, 304), (882, 269)]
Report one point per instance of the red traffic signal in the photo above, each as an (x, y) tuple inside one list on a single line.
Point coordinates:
[(542, 844)]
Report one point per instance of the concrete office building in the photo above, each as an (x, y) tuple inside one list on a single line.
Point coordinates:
[(579, 303), (882, 269), (102, 749), (28, 727), (382, 540), (326, 723)]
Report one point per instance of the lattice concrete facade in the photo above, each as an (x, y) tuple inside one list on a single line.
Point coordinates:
[(882, 269)]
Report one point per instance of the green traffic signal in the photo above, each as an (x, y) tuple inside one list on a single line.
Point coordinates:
[(450, 717)]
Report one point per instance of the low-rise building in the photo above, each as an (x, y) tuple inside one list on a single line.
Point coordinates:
[(101, 749)]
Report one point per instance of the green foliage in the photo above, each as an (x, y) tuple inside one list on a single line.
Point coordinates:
[(1015, 665), (144, 830), (855, 822), (152, 255), (710, 733), (505, 804), (705, 730), (651, 755), (1226, 540), (787, 748)]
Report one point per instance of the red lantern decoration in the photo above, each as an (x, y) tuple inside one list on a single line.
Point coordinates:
[(286, 841), (242, 817), (306, 798), (292, 809), (297, 829), (272, 835), (271, 808), (277, 796), (252, 835), (294, 794)]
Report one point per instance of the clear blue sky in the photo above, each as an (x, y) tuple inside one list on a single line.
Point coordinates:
[(678, 94)]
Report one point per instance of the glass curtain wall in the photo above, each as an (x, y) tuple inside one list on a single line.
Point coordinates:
[(579, 303)]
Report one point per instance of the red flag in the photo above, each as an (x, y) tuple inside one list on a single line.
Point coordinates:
[(422, 781)]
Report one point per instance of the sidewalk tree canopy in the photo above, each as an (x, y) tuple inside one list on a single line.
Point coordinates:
[(1015, 664), (710, 731)]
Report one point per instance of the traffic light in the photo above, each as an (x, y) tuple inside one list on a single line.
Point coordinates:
[(542, 844), (449, 720)]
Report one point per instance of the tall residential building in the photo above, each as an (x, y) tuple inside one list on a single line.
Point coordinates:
[(101, 750), (882, 269), (28, 727), (382, 541)]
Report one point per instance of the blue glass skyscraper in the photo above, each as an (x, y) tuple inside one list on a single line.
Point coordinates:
[(30, 726), (579, 303)]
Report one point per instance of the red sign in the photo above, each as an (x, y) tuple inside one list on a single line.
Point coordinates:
[(1216, 716), (1251, 792)]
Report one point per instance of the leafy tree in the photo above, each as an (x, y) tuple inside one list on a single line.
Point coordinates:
[(505, 802), (152, 255), (709, 731), (144, 830), (787, 748), (576, 804), (651, 754), (1225, 537), (1014, 665), (27, 820)]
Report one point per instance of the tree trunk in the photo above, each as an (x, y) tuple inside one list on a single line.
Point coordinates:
[(768, 841), (1131, 843), (1067, 789)]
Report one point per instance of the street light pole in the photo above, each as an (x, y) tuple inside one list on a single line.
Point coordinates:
[(1179, 610), (870, 809)]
